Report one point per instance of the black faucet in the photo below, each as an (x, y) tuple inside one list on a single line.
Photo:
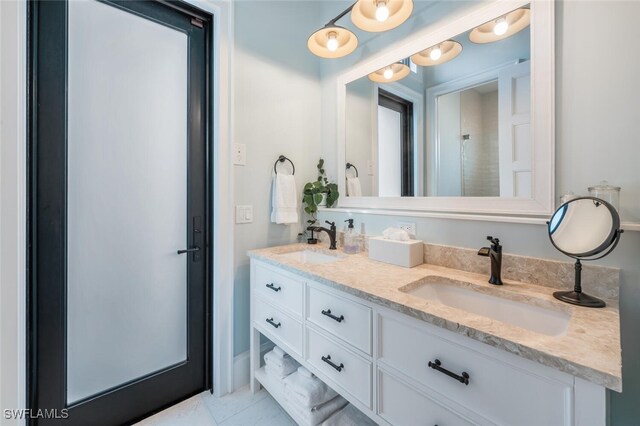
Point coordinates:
[(331, 232), (495, 253)]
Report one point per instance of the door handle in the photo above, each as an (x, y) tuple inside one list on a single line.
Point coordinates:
[(197, 240), (191, 250)]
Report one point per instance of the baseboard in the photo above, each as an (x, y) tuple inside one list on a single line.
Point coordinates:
[(241, 366)]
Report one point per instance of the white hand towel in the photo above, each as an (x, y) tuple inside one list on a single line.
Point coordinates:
[(307, 392), (284, 200), (353, 187), (349, 416), (313, 416), (279, 367)]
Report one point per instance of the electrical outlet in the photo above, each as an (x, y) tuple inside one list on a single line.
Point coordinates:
[(407, 226), (240, 154)]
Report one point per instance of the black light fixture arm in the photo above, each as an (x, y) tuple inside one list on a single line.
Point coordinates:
[(337, 18)]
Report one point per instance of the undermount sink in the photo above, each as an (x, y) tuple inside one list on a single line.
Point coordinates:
[(310, 256), (538, 319)]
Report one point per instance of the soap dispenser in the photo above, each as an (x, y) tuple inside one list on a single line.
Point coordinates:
[(351, 239)]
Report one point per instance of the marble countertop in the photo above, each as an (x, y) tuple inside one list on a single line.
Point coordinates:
[(590, 348)]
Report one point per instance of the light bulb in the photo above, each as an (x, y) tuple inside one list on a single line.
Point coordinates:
[(388, 73), (332, 43), (501, 27), (382, 11), (435, 53)]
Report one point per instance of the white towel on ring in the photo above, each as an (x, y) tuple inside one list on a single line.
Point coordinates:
[(353, 187), (284, 200)]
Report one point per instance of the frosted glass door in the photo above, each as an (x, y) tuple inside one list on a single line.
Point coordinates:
[(126, 198)]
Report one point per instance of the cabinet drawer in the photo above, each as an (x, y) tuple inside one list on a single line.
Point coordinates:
[(348, 320), (351, 372), (399, 404), (278, 324), (501, 392), (280, 289)]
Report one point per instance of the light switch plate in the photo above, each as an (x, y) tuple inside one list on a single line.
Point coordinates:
[(244, 214), (240, 154)]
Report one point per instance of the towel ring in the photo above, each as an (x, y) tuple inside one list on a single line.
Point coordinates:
[(349, 165), (282, 159)]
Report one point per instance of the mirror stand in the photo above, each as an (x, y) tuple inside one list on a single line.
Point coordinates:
[(577, 297), (598, 223)]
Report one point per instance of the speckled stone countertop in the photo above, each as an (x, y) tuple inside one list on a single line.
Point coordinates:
[(589, 349)]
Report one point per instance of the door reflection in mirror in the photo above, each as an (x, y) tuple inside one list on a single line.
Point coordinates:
[(395, 145)]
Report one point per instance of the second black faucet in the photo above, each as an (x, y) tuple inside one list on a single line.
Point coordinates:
[(495, 254), (331, 232)]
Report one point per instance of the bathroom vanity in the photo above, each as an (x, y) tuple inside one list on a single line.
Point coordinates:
[(434, 345)]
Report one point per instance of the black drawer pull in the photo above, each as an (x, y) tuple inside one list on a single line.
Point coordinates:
[(273, 287), (270, 321), (327, 359), (437, 365), (328, 313)]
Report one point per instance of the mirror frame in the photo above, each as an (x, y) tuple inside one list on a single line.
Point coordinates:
[(542, 116)]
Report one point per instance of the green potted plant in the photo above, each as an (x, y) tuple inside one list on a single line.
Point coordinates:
[(319, 193)]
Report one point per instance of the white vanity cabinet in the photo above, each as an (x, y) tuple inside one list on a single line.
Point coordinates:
[(400, 370)]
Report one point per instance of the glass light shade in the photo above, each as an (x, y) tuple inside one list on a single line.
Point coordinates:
[(449, 49), (517, 20), (363, 14), (400, 71), (319, 42)]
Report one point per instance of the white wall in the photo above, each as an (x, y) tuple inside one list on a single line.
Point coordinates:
[(277, 111), (359, 106), (597, 114)]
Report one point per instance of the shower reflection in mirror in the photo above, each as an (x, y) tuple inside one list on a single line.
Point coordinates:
[(458, 124)]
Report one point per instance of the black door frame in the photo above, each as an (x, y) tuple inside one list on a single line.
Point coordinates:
[(46, 183), (405, 108)]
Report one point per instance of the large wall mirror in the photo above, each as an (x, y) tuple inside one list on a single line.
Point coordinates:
[(459, 119)]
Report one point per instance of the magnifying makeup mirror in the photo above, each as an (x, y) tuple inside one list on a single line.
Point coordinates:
[(585, 228)]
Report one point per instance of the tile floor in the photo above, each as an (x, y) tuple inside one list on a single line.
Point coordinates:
[(241, 408)]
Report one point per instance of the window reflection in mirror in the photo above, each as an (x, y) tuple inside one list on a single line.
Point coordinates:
[(469, 133)]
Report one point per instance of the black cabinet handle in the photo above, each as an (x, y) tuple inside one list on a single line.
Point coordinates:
[(273, 287), (437, 365), (270, 321), (327, 359), (333, 317)]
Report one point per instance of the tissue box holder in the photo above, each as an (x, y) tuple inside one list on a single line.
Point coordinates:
[(402, 253)]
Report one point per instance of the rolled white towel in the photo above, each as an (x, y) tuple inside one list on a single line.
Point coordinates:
[(277, 350), (307, 392), (349, 416), (316, 415)]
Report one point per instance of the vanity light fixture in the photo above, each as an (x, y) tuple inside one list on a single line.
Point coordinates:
[(438, 54), (502, 27), (380, 15), (333, 41), (391, 73)]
